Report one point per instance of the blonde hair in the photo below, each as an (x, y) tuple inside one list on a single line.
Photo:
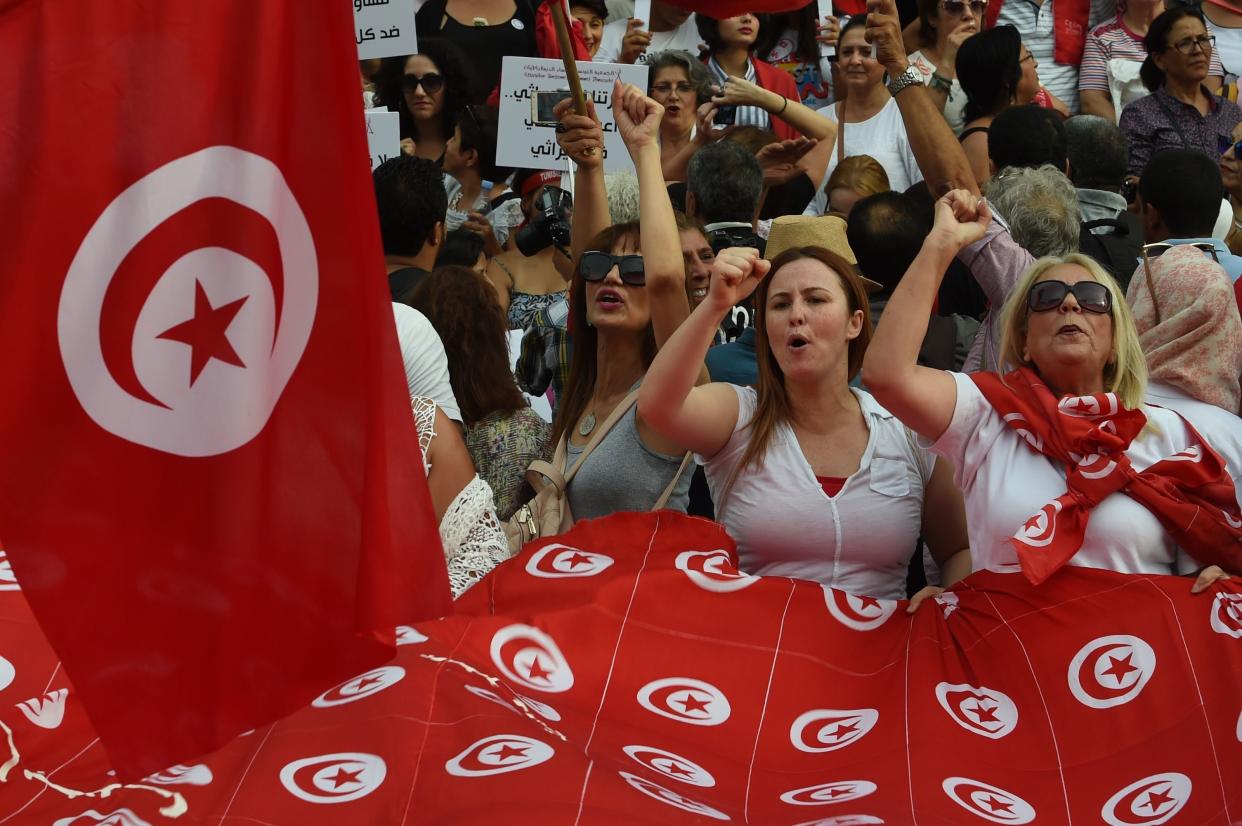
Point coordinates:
[(859, 173), (1125, 375)]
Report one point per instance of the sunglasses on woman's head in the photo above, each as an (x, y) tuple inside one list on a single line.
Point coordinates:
[(596, 265), (1092, 296), (431, 82)]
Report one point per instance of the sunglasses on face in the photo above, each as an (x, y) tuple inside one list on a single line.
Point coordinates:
[(596, 265), (1092, 296), (431, 82), (1227, 145), (1204, 42), (958, 7)]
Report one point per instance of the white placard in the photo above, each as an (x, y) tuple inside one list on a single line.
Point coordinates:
[(383, 135), (384, 28), (524, 145), (642, 11), (825, 10)]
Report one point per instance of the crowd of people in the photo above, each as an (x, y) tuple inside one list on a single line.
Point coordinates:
[(892, 297)]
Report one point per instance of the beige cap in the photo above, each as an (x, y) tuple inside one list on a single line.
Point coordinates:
[(827, 231)]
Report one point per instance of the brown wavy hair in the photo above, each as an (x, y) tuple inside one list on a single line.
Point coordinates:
[(582, 367), (463, 307), (772, 405)]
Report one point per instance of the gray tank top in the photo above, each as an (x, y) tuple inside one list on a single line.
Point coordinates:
[(623, 474)]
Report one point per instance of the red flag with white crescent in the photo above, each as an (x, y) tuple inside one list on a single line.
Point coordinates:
[(211, 490)]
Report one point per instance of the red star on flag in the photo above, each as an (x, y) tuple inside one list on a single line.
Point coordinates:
[(984, 714), (343, 777), (506, 751), (1083, 404), (678, 770), (842, 730), (365, 683), (205, 333), (692, 703), (867, 602), (1120, 667), (1158, 800), (536, 671), (997, 805), (577, 559)]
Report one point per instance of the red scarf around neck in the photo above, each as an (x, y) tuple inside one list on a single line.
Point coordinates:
[(1069, 21), (1189, 492)]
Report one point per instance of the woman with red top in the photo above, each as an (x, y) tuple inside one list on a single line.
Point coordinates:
[(731, 43)]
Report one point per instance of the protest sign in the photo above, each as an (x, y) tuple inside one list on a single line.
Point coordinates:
[(383, 135), (825, 10), (384, 28), (525, 144)]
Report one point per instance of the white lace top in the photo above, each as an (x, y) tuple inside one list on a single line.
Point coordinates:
[(473, 539)]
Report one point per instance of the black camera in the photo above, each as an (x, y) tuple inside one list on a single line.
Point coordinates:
[(550, 224), (725, 116), (725, 237)]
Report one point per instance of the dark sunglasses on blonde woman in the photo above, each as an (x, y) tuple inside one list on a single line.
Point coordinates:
[(1092, 296), (958, 7)]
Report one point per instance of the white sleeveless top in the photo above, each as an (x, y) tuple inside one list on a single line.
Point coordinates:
[(860, 540)]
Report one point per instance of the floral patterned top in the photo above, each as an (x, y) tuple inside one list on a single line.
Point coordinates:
[(503, 444)]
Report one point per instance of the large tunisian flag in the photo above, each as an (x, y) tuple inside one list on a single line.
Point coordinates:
[(626, 674), (211, 490)]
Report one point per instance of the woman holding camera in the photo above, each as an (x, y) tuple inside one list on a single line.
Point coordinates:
[(731, 44), (628, 296), (526, 278)]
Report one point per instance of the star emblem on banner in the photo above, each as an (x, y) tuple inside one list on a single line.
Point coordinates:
[(1120, 668), (692, 703), (344, 778), (507, 751), (205, 332)]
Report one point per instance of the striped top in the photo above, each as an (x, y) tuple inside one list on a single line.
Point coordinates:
[(1113, 40), (746, 115)]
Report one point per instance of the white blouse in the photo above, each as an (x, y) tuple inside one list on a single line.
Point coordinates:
[(1005, 482), (860, 540)]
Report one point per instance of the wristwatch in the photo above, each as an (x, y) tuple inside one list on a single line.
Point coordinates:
[(910, 77)]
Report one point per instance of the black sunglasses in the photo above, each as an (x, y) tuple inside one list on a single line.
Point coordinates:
[(1092, 296), (596, 265), (431, 82)]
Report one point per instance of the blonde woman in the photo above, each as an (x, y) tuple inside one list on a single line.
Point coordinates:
[(855, 178), (1060, 461)]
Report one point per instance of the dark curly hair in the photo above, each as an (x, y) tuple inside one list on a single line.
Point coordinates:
[(479, 127), (462, 306), (390, 81)]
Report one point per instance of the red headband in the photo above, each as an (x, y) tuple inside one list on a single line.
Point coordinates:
[(535, 181)]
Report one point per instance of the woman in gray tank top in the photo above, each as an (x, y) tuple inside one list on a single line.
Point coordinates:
[(627, 296)]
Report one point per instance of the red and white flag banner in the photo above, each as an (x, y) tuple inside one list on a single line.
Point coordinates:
[(626, 673), (210, 486)]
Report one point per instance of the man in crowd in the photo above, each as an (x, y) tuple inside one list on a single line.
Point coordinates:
[(412, 204), (1097, 159), (410, 197)]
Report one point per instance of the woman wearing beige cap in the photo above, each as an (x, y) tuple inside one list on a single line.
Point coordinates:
[(812, 478)]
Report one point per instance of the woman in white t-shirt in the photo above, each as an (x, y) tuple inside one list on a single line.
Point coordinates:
[(869, 121), (813, 480), (1060, 460)]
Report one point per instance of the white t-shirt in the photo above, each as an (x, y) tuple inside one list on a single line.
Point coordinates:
[(684, 37), (426, 366), (955, 106), (860, 540), (1005, 482), (1221, 429), (883, 137)]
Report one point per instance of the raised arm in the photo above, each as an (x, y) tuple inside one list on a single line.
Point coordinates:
[(638, 124), (921, 397), (739, 92), (582, 138), (700, 418), (933, 143), (676, 167)]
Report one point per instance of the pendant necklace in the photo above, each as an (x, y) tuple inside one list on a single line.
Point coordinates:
[(587, 425)]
